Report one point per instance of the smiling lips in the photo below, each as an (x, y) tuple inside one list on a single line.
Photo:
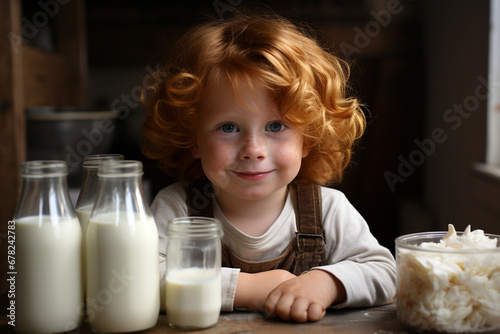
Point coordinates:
[(252, 176)]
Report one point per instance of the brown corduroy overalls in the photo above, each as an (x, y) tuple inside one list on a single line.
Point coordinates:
[(305, 250)]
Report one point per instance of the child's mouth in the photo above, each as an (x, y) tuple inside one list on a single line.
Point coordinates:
[(252, 176)]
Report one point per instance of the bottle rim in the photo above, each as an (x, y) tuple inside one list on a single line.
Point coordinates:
[(120, 168), (44, 168), (93, 160)]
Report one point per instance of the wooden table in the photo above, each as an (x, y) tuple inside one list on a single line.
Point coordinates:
[(371, 320), (375, 320)]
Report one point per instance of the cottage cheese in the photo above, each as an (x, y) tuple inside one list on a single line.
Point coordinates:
[(451, 286)]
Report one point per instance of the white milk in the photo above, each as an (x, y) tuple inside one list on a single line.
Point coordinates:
[(122, 273), (48, 286), (192, 300), (83, 214)]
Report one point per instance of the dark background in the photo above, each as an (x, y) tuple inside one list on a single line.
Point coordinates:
[(411, 62)]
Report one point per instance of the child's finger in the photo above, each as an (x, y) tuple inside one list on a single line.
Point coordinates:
[(315, 312), (270, 304), (284, 306), (299, 310)]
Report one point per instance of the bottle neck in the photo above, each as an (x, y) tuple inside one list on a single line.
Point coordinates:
[(88, 191), (121, 194), (44, 196), (120, 185)]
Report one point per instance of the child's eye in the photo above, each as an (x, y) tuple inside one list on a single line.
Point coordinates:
[(275, 127), (228, 128)]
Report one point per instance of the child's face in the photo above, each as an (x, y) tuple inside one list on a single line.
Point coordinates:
[(246, 149)]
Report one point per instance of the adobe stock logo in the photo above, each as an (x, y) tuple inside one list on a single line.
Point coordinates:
[(40, 19), (453, 117)]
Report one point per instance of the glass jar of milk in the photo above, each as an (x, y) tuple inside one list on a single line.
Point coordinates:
[(48, 250), (193, 273), (123, 289)]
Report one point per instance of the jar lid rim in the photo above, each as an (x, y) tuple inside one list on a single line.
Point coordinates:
[(194, 226)]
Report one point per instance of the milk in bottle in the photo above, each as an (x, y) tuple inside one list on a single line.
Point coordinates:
[(48, 252), (122, 253), (87, 196)]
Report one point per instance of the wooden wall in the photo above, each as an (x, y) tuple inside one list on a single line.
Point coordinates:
[(34, 77)]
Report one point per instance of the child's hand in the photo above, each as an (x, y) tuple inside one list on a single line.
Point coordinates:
[(252, 289), (305, 297)]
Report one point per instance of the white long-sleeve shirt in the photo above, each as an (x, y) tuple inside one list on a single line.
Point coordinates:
[(365, 268)]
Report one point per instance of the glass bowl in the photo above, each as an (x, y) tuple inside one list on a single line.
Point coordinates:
[(447, 290)]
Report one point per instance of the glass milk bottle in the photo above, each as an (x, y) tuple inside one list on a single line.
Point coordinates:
[(87, 195), (193, 276), (48, 245), (123, 293)]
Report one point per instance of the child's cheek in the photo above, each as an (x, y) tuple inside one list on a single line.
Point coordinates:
[(216, 161), (219, 152)]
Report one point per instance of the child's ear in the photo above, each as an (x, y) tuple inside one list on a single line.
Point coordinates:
[(195, 151), (305, 151)]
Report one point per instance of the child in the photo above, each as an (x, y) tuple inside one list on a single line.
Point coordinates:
[(252, 116)]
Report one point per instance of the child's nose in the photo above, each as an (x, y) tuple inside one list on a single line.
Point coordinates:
[(253, 148)]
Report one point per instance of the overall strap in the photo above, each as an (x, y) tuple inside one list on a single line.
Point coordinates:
[(309, 236)]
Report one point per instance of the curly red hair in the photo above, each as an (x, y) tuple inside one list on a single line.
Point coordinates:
[(308, 84)]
